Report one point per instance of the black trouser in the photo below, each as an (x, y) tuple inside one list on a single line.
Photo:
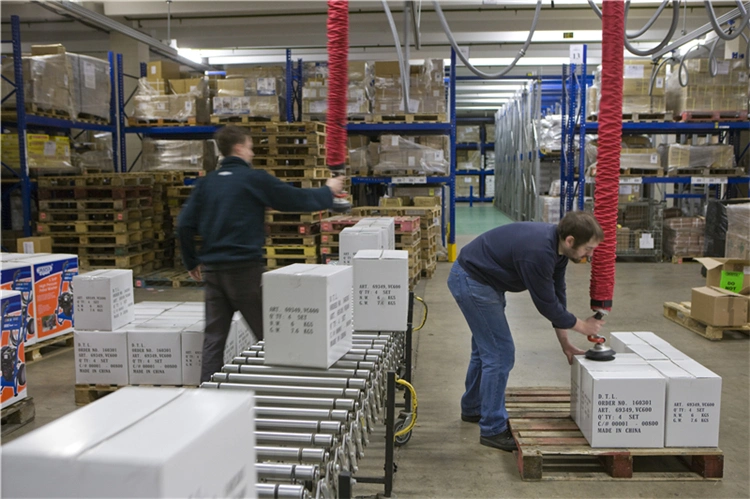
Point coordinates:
[(226, 292)]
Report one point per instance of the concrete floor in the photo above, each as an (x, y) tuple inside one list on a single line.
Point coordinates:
[(444, 458)]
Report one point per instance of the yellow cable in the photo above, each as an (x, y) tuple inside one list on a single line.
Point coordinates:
[(424, 316), (406, 430)]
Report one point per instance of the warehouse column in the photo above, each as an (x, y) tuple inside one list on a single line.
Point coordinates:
[(133, 53)]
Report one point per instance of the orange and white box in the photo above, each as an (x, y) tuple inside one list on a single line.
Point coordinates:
[(53, 293), (16, 276), (13, 358)]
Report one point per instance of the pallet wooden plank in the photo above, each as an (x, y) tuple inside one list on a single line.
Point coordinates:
[(17, 415), (680, 314), (48, 348)]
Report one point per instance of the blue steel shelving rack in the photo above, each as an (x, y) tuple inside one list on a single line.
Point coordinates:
[(23, 121), (576, 126), (449, 128), (482, 146)]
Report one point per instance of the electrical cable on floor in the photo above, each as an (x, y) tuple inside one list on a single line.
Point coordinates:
[(424, 316), (413, 418)]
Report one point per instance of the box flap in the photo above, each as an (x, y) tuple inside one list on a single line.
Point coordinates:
[(725, 292), (710, 263)]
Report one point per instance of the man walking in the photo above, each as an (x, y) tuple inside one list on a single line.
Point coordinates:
[(227, 210), (512, 258)]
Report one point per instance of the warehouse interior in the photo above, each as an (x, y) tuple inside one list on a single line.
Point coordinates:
[(526, 144)]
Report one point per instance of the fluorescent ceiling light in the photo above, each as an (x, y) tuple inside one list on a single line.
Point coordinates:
[(193, 55)]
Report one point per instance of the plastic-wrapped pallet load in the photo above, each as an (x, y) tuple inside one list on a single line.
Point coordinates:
[(154, 434), (152, 104), (683, 236), (550, 209), (359, 94), (549, 130), (738, 231), (48, 81), (90, 86), (43, 151), (680, 157), (401, 156), (467, 185), (467, 133), (426, 88), (468, 160), (256, 91), (637, 75), (179, 154), (727, 92)]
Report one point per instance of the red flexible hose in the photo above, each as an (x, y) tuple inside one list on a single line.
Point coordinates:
[(338, 81), (608, 159)]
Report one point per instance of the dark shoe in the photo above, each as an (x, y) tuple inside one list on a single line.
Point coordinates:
[(471, 419), (503, 441)]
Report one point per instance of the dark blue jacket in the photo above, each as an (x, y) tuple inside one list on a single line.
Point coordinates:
[(521, 256), (227, 210)]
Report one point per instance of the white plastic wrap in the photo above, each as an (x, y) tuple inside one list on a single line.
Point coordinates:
[(550, 207), (726, 92), (738, 231), (179, 155), (468, 160), (150, 104), (549, 130), (399, 155), (711, 156), (467, 133)]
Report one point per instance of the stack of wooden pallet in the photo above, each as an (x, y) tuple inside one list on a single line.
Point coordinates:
[(330, 228), (177, 196), (164, 244), (292, 238), (106, 219)]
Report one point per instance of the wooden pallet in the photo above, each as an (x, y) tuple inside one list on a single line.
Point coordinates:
[(48, 348), (310, 138), (191, 121), (286, 229), (551, 447), (680, 314), (95, 204), (169, 278), (17, 415), (713, 116), (289, 161), (409, 118), (94, 228), (351, 118), (276, 263), (293, 239), (304, 172), (99, 239), (182, 191), (642, 172), (95, 215), (85, 394), (104, 179), (291, 251), (220, 119), (94, 193), (640, 117), (684, 258), (276, 217), (106, 251), (93, 262), (409, 238)]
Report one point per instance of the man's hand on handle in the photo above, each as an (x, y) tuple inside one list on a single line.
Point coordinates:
[(196, 274), (589, 327), (336, 184)]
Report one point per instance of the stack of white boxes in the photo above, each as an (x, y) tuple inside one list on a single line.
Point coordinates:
[(370, 233), (651, 395), (307, 315), (151, 343), (140, 442), (44, 280)]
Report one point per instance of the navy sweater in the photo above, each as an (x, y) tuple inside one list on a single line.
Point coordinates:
[(521, 256), (227, 209)]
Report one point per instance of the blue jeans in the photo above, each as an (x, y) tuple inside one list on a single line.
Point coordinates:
[(492, 351)]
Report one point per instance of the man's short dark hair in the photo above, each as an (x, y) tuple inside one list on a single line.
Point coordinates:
[(228, 137), (582, 225)]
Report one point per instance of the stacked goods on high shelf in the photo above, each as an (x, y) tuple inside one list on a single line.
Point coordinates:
[(489, 133), (179, 155), (292, 238), (738, 231), (363, 154), (468, 159), (400, 156), (359, 94), (639, 229), (46, 154), (426, 92), (255, 92), (60, 84), (549, 130), (636, 99), (131, 335), (45, 284), (683, 236), (721, 97), (467, 185), (699, 159), (106, 219), (468, 134), (176, 101), (92, 152), (638, 156)]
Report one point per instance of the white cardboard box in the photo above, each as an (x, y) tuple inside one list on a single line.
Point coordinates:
[(14, 361), (388, 223), (693, 405), (192, 350), (140, 442), (155, 356), (103, 300), (307, 315), (353, 239), (647, 352), (245, 336), (619, 342), (650, 338), (623, 409), (381, 290), (581, 362), (17, 276), (101, 357)]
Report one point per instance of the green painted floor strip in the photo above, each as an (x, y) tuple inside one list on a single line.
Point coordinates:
[(477, 219)]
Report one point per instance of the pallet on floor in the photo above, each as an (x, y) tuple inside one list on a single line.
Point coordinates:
[(94, 262), (680, 313), (684, 258), (279, 217), (100, 239), (17, 415), (103, 179), (95, 204), (713, 115), (551, 447), (85, 394), (48, 348)]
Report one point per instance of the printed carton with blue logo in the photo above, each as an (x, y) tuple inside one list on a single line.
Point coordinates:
[(53, 293), (15, 275), (13, 362)]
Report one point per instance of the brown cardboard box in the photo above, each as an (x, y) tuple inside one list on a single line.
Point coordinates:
[(427, 201), (163, 70), (718, 307), (56, 48), (714, 267), (387, 68), (188, 85), (233, 87), (38, 244)]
